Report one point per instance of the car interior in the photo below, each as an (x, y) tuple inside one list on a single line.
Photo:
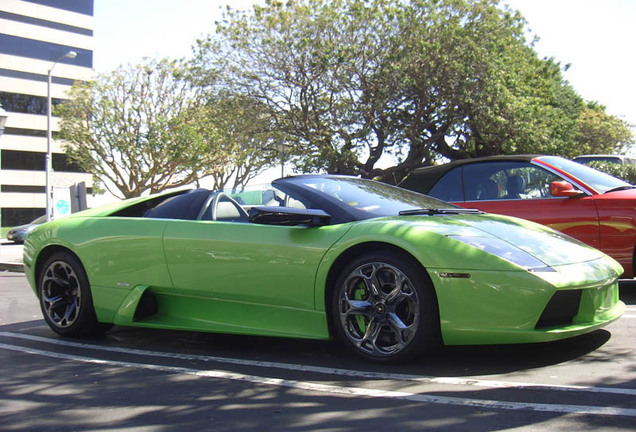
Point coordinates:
[(503, 180), (204, 204)]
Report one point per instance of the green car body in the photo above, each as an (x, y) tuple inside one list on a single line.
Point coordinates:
[(493, 277)]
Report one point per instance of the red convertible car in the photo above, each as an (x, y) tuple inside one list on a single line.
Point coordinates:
[(589, 205)]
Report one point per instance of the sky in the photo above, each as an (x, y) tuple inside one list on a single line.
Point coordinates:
[(596, 37)]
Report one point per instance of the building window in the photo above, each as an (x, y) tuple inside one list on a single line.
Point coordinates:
[(31, 189), (45, 23), (19, 216), (30, 48), (27, 104), (23, 189), (35, 161), (84, 7), (35, 77), (27, 132)]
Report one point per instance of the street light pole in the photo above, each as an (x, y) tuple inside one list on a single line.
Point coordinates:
[(71, 55), (3, 121), (282, 151)]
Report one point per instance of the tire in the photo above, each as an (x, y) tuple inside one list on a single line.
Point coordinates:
[(65, 297), (384, 308)]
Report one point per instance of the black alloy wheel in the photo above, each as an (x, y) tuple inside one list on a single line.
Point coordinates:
[(384, 308), (65, 297)]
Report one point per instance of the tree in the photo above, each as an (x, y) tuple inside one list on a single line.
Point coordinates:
[(525, 107), (239, 128), (134, 129), (354, 84), (598, 132), (471, 85), (379, 87)]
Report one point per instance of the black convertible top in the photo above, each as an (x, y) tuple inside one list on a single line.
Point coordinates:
[(185, 206), (423, 179)]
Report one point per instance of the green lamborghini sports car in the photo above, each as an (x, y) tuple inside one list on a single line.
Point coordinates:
[(388, 272)]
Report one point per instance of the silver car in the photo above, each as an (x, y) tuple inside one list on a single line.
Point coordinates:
[(19, 233)]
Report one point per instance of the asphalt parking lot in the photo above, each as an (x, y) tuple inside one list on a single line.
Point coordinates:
[(157, 380)]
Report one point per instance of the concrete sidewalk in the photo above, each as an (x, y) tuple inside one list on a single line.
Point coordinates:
[(10, 256)]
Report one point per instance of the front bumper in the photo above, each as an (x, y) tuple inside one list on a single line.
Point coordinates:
[(15, 236), (517, 307)]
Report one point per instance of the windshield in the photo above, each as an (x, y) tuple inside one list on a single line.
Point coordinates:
[(39, 220), (597, 180), (370, 198)]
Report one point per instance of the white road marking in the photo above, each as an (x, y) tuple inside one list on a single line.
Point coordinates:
[(342, 390), (331, 371)]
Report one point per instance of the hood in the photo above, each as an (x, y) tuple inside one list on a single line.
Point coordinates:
[(22, 228), (547, 245), (503, 235)]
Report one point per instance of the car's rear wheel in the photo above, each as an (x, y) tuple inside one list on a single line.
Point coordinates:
[(384, 308), (65, 297)]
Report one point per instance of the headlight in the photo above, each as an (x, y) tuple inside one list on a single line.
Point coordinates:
[(506, 251)]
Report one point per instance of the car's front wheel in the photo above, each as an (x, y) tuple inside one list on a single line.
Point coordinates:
[(384, 308), (65, 297)]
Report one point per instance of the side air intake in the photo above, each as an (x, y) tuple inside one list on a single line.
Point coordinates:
[(147, 306)]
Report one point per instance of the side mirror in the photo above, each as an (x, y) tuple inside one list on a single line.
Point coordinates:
[(563, 189), (288, 216)]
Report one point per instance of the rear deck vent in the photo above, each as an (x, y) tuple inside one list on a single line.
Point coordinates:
[(561, 309)]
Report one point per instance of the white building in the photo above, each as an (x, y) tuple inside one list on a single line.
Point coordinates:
[(33, 35)]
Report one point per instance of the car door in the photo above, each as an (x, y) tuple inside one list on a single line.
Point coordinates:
[(522, 189), (246, 262), (120, 253)]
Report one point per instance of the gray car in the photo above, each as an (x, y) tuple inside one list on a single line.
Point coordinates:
[(19, 233), (617, 159)]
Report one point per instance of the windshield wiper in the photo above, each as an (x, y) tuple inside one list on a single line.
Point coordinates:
[(435, 211), (620, 188)]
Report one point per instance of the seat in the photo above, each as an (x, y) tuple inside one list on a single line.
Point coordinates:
[(227, 211), (491, 190), (515, 187), (487, 190)]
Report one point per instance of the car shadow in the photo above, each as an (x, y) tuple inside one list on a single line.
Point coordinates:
[(449, 361), (627, 291), (445, 361)]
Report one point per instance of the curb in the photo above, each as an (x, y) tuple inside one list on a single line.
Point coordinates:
[(12, 267)]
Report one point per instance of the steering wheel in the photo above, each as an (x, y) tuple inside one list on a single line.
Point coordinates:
[(226, 197)]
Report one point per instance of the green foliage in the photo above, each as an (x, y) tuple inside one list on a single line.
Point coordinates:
[(374, 88), (600, 133), (130, 129), (238, 127), (354, 84), (145, 128), (626, 172)]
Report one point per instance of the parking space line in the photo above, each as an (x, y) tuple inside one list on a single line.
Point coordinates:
[(493, 384), (342, 390)]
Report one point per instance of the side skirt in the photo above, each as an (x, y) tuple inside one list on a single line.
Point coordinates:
[(145, 308)]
